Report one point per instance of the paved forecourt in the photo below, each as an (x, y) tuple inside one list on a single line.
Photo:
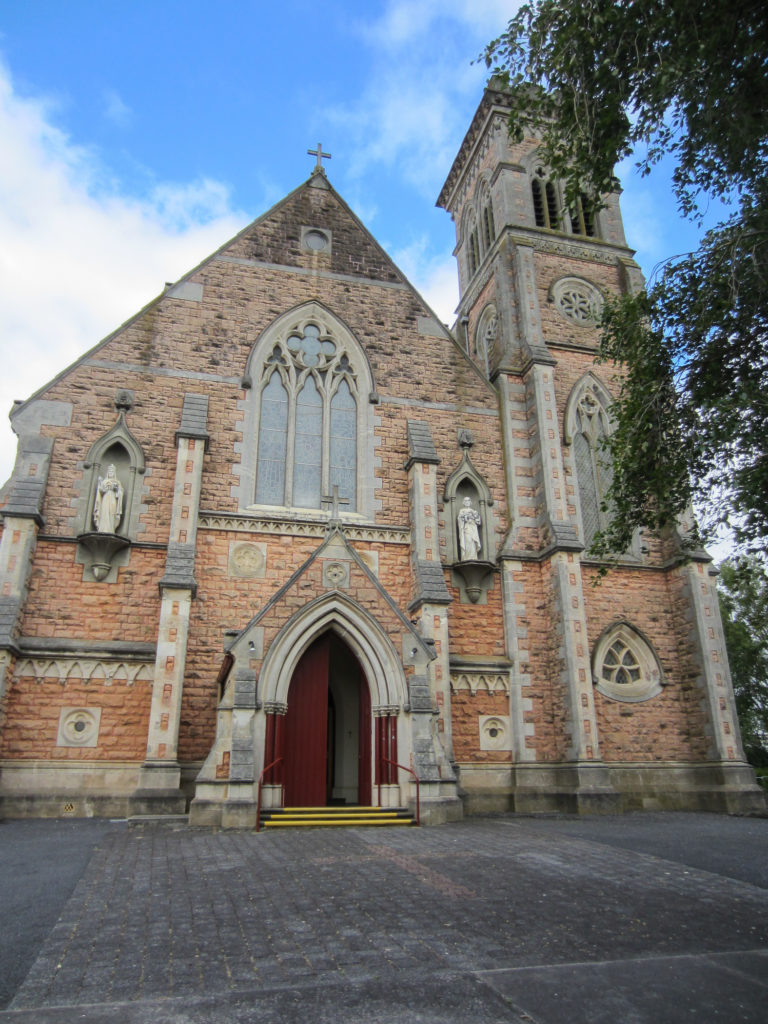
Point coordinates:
[(641, 918)]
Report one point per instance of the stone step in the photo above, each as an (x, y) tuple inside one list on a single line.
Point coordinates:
[(301, 817)]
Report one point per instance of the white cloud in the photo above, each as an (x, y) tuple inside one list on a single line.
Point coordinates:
[(116, 110), (412, 110), (77, 258), (436, 278), (406, 20)]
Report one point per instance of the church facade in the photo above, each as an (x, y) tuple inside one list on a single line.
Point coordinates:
[(284, 531)]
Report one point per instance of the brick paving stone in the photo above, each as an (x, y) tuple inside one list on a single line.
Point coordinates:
[(160, 913)]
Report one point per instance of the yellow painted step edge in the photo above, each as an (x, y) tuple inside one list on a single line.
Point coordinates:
[(335, 817), (300, 822), (298, 814)]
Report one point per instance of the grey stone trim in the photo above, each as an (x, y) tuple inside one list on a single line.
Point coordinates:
[(430, 583), (160, 371), (421, 447), (9, 610), (597, 250), (179, 567), (25, 492), (194, 419), (145, 545), (26, 499), (44, 645), (188, 290), (416, 403), (245, 690), (419, 694), (241, 767), (298, 526), (315, 274), (565, 537), (430, 328)]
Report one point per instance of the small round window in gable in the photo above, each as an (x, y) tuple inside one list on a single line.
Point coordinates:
[(315, 239)]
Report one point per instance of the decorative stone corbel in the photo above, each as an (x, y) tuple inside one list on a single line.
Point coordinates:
[(102, 548), (476, 576)]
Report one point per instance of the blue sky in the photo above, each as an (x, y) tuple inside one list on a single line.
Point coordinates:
[(137, 137)]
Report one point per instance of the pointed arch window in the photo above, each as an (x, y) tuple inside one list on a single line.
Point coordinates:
[(273, 435), (625, 666), (485, 210), (548, 213), (307, 417), (485, 337), (587, 427)]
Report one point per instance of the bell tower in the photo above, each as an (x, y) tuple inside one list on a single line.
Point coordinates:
[(515, 239), (533, 277)]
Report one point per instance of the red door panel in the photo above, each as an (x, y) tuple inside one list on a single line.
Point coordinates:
[(305, 741)]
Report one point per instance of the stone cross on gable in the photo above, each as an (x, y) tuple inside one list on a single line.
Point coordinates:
[(334, 500), (320, 156)]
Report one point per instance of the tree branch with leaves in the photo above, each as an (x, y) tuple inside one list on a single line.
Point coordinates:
[(598, 81)]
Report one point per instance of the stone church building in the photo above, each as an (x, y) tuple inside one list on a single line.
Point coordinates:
[(285, 526)]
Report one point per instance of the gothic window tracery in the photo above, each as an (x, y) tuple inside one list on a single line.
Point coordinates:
[(577, 300), (307, 434), (625, 667)]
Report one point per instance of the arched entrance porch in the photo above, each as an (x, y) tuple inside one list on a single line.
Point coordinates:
[(326, 736)]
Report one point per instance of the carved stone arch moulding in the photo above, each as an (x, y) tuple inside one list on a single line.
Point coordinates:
[(587, 410), (625, 666), (308, 347), (381, 663)]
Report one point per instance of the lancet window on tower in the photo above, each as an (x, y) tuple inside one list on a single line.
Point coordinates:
[(587, 426), (479, 227), (549, 213), (308, 420)]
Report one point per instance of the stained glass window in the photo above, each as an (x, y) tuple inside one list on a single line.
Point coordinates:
[(308, 447), (344, 442), (273, 434), (307, 434)]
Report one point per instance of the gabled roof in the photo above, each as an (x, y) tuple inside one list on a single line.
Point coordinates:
[(373, 260)]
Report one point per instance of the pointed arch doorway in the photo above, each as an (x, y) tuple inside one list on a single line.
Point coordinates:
[(327, 737)]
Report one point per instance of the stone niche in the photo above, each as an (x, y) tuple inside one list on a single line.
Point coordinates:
[(101, 551), (473, 577)]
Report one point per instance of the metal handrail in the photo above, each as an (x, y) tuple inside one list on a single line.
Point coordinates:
[(258, 798), (418, 784)]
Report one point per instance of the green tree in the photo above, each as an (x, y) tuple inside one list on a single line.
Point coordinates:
[(743, 592), (599, 80)]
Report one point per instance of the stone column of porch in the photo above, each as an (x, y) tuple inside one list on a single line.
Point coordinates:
[(430, 697)]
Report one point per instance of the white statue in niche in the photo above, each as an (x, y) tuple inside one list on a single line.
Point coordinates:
[(108, 507), (469, 537)]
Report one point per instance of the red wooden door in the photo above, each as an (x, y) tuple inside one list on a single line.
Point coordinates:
[(306, 724)]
